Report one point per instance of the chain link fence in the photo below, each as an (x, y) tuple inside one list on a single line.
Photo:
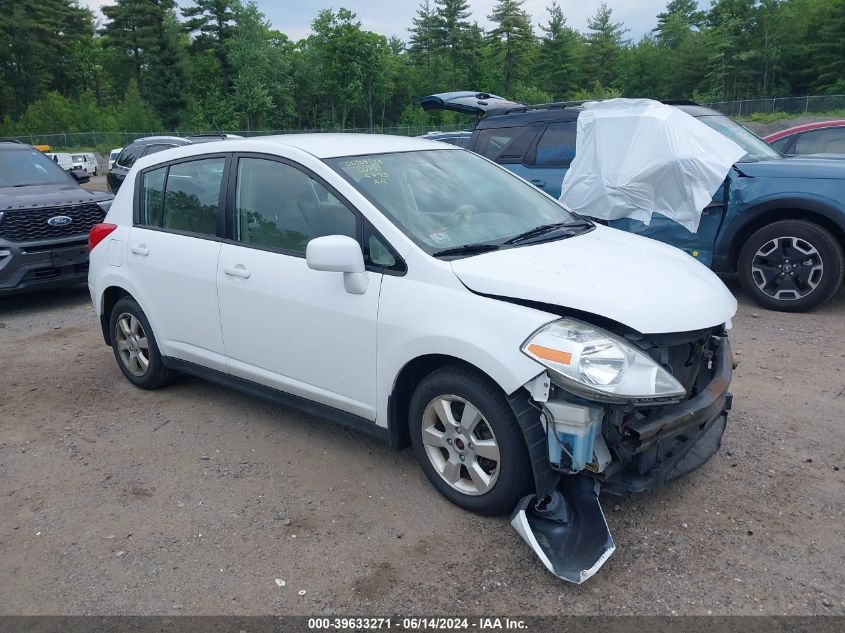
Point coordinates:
[(787, 105), (103, 141)]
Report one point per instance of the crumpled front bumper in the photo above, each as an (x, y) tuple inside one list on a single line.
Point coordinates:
[(563, 522), (675, 439)]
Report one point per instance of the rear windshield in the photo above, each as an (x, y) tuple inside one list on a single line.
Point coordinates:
[(22, 167)]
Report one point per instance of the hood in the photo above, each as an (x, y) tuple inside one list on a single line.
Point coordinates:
[(644, 284), (39, 196), (829, 166)]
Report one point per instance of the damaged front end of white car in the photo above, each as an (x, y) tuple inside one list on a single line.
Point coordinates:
[(615, 412)]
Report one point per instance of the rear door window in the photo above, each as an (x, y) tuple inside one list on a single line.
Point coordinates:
[(556, 148)]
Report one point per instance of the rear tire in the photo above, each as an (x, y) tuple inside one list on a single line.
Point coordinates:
[(135, 347), (468, 441), (791, 266)]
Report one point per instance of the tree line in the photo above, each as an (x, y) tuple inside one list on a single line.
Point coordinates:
[(219, 64)]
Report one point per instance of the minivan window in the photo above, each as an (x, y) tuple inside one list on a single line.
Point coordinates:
[(279, 206), (192, 195), (557, 145)]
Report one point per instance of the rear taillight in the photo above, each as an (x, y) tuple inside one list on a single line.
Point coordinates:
[(98, 234)]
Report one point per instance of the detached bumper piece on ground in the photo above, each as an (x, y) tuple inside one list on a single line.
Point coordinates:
[(567, 530), (563, 523)]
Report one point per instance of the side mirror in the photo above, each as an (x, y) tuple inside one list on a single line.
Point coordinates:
[(80, 176), (339, 254)]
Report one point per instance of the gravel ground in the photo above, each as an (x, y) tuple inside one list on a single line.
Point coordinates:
[(195, 499)]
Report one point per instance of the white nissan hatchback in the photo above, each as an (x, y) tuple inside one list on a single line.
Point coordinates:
[(420, 293)]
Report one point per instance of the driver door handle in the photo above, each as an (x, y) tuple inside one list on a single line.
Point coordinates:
[(238, 270), (537, 182), (141, 250)]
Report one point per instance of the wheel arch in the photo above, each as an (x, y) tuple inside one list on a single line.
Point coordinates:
[(110, 297), (406, 382), (774, 211)]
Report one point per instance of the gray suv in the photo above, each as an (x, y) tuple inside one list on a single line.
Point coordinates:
[(45, 217)]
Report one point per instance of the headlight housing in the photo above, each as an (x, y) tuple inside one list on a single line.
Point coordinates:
[(105, 205), (598, 365)]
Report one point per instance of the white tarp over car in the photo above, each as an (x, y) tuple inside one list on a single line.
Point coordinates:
[(635, 157)]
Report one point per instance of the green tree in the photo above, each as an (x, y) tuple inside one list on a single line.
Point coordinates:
[(423, 40), (39, 45), (676, 22), (451, 28), (558, 69), (734, 50), (827, 47), (211, 23), (605, 42), (145, 45), (511, 38), (133, 115)]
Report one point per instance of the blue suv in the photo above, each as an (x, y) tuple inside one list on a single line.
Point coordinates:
[(778, 222)]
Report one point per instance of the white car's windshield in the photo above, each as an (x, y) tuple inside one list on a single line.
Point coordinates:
[(755, 147), (448, 199)]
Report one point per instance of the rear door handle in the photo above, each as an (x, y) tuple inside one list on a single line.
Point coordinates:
[(141, 250), (238, 270), (537, 182)]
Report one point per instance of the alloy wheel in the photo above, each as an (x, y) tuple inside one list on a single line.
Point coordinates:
[(132, 344), (787, 268), (460, 444)]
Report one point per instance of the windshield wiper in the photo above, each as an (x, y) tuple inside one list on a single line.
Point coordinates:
[(466, 249), (543, 229)]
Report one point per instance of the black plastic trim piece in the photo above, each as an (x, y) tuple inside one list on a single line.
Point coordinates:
[(528, 416), (341, 418)]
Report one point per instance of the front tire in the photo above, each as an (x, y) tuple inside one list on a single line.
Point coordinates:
[(135, 347), (791, 266), (468, 442)]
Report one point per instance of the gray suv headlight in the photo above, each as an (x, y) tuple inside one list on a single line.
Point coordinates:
[(599, 365)]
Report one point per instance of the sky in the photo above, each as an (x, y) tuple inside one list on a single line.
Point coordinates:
[(393, 17)]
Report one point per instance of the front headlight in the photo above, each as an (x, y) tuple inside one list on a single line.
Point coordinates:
[(598, 365), (105, 205)]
